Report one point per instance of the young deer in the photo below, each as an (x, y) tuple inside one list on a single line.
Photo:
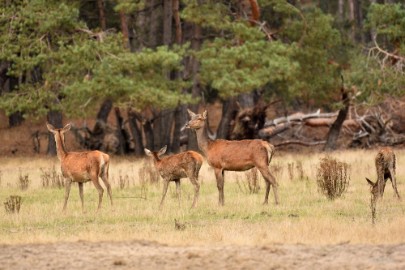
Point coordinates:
[(81, 167), (175, 167), (224, 155), (385, 164)]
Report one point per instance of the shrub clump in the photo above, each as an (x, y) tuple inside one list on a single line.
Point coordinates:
[(332, 177)]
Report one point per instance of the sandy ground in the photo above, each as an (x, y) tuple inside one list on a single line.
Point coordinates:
[(150, 255)]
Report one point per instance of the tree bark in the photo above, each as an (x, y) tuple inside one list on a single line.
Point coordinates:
[(177, 22), (154, 23), (229, 111), (124, 29), (334, 130), (101, 14), (136, 134), (121, 134), (55, 119), (196, 90)]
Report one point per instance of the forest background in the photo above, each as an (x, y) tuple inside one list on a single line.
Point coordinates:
[(129, 69)]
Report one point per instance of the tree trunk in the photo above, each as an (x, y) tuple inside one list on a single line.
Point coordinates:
[(229, 111), (167, 22), (124, 29), (136, 133), (196, 90), (148, 130), (121, 134), (352, 20), (15, 119), (334, 130), (177, 22), (102, 116), (55, 119), (180, 119), (154, 23), (101, 14)]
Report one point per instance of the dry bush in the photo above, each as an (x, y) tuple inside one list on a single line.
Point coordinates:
[(332, 177), (148, 173), (252, 178), (277, 170), (291, 170), (1, 174), (24, 181), (300, 170), (13, 204), (123, 180), (51, 178)]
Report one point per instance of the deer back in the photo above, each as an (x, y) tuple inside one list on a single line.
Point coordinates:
[(81, 166), (179, 165), (239, 155)]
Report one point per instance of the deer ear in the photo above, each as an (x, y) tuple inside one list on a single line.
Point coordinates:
[(147, 152), (67, 127), (50, 128), (192, 115), (162, 151), (370, 182), (204, 114)]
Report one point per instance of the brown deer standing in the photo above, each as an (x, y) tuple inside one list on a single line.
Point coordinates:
[(385, 164), (175, 167), (224, 155), (81, 167)]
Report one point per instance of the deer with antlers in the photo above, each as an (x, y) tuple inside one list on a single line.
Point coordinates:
[(81, 167), (175, 167), (385, 163), (225, 155)]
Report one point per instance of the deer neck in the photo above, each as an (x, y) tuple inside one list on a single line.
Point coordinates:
[(203, 139), (60, 146)]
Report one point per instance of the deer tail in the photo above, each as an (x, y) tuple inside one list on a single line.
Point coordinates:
[(270, 151), (104, 164)]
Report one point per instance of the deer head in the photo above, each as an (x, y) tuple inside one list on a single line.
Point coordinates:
[(158, 154), (61, 131), (374, 188), (197, 121)]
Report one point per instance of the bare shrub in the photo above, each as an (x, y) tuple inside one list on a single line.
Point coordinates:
[(277, 169), (1, 174), (291, 170), (148, 173), (332, 177), (300, 170), (51, 178), (13, 204), (123, 181), (252, 178), (24, 181)]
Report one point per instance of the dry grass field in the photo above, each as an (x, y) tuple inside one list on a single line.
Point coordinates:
[(304, 230)]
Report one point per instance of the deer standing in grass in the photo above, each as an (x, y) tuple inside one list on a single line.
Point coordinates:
[(385, 164), (225, 155), (81, 167), (175, 167)]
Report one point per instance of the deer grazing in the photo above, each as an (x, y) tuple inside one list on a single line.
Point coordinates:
[(225, 155), (81, 167), (385, 164), (175, 167)]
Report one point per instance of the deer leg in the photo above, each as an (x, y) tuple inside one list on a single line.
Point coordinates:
[(394, 182), (219, 175), (165, 186), (99, 189), (194, 181), (81, 194), (270, 180), (68, 184), (104, 177)]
